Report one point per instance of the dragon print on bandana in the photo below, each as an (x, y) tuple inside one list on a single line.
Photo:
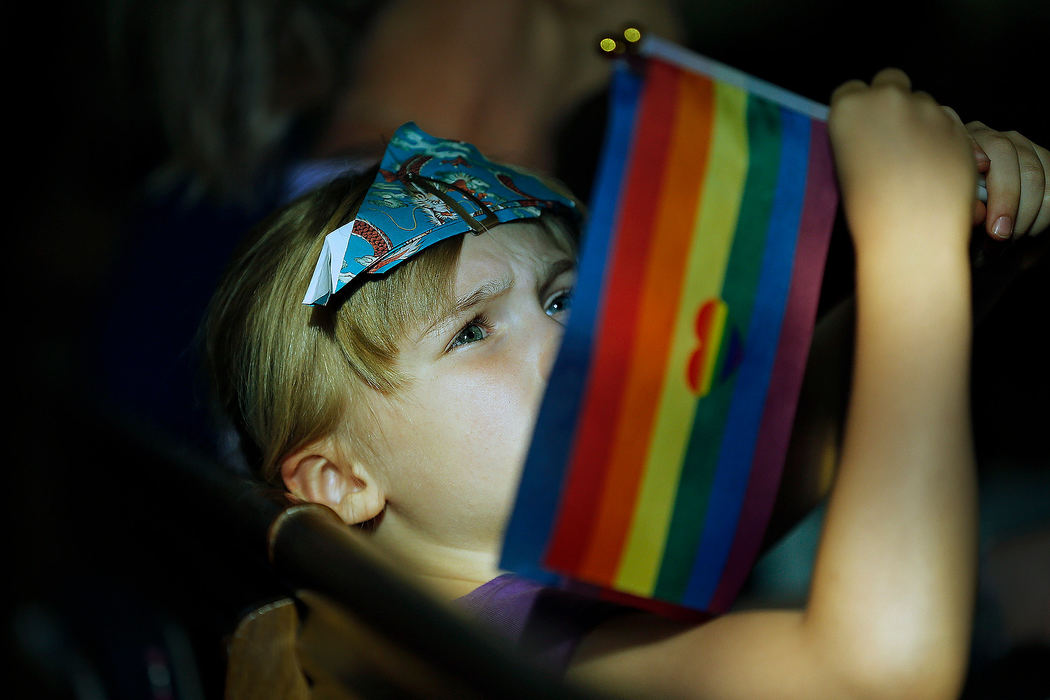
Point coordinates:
[(427, 189)]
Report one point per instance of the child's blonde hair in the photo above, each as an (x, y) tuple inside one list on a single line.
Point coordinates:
[(287, 374)]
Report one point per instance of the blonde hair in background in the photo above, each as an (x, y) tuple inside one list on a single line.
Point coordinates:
[(286, 374)]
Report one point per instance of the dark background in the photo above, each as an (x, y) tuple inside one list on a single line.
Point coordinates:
[(121, 579)]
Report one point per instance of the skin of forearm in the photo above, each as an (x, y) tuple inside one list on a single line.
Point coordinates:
[(894, 579)]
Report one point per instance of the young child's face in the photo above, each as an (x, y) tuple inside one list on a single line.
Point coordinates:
[(453, 441)]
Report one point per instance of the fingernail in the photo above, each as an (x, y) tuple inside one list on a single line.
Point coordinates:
[(1002, 228)]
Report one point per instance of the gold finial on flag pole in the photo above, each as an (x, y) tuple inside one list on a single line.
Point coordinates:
[(626, 42)]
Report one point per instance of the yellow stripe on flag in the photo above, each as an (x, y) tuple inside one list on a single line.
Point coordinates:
[(715, 223)]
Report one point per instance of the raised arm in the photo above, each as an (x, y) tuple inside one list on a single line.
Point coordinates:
[(900, 534), (889, 607), (1017, 174)]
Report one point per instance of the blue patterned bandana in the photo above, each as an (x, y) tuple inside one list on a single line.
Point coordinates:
[(427, 190)]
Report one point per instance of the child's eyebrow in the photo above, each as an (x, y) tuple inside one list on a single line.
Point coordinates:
[(491, 289), (553, 269), (481, 294)]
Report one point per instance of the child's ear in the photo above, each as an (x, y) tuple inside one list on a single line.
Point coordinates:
[(320, 473)]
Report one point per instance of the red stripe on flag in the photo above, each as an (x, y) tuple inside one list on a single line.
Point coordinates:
[(615, 327), (663, 277)]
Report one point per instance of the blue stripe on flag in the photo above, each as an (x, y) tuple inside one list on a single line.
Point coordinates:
[(530, 527)]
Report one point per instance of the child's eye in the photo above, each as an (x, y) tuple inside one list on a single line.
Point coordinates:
[(560, 303), (477, 329)]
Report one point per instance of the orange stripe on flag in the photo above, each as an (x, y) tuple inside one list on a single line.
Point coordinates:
[(603, 391)]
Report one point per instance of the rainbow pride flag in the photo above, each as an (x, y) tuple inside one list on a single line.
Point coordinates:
[(658, 449)]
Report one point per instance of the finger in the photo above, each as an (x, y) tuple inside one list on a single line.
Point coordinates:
[(980, 157), (1033, 183), (848, 87), (953, 114), (1003, 180), (892, 76), (1042, 218), (984, 163), (980, 211)]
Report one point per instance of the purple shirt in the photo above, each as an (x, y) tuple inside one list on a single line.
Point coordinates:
[(545, 623)]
